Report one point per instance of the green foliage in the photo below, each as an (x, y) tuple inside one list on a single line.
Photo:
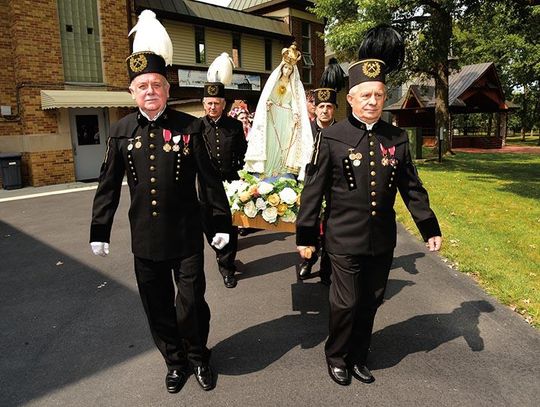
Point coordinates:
[(487, 205)]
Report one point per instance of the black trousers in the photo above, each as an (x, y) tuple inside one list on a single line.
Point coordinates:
[(179, 324), (357, 290)]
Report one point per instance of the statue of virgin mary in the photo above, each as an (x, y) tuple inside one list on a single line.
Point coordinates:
[(280, 141)]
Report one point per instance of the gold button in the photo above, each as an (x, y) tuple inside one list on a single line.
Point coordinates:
[(154, 214), (152, 135), (352, 185), (391, 178), (373, 173), (217, 147), (389, 185), (152, 168), (152, 146), (393, 173), (373, 203), (374, 213), (176, 178), (154, 203), (372, 163), (178, 166), (346, 161), (347, 166), (152, 157), (351, 179), (217, 140), (371, 143), (217, 154), (373, 193), (134, 178), (153, 191), (131, 162), (372, 153), (373, 183), (152, 179)]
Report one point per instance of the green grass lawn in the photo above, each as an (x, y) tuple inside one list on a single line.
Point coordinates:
[(516, 141), (488, 206)]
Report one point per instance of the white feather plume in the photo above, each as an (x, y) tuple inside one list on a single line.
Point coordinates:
[(221, 70), (150, 35)]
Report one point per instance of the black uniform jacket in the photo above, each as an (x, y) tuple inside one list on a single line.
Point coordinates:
[(227, 145), (165, 212), (348, 168)]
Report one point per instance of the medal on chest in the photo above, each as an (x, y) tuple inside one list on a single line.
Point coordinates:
[(166, 138), (138, 143), (185, 139), (130, 145), (356, 158), (388, 156), (176, 147)]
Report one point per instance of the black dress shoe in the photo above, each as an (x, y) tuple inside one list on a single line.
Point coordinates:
[(362, 373), (304, 271), (340, 375), (204, 376), (229, 281), (175, 380)]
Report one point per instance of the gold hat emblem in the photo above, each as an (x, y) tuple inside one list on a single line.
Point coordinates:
[(138, 62), (323, 95), (212, 90), (371, 68)]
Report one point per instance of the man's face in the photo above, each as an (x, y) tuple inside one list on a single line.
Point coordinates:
[(325, 113), (367, 100), (150, 91), (213, 107)]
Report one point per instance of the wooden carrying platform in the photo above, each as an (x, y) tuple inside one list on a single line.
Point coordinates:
[(239, 219)]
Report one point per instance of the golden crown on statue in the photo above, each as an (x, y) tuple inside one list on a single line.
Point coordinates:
[(291, 55)]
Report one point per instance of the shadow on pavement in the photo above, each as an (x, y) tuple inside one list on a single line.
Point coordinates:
[(260, 239), (257, 347), (267, 265), (61, 320), (424, 333)]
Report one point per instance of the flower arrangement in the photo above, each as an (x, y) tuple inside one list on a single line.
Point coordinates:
[(274, 201)]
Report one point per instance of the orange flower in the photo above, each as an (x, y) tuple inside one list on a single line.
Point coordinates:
[(253, 190), (281, 209), (244, 196)]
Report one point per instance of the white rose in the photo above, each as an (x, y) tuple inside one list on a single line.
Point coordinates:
[(289, 217), (235, 207), (260, 204), (288, 195), (250, 210), (270, 214), (265, 188)]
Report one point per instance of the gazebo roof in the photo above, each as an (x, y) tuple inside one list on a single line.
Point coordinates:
[(474, 88)]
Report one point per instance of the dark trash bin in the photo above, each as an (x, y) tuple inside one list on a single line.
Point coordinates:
[(11, 170)]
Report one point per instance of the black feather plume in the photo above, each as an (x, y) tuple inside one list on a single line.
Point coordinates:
[(333, 76), (384, 43)]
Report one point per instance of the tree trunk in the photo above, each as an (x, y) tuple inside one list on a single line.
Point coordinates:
[(522, 134), (442, 29)]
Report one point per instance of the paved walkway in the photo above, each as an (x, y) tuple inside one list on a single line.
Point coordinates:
[(73, 332), (505, 149)]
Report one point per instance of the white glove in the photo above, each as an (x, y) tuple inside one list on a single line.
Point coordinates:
[(220, 240), (100, 248)]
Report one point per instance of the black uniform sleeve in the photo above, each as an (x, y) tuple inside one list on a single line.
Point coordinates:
[(240, 144), (317, 178), (210, 181), (108, 193), (416, 198)]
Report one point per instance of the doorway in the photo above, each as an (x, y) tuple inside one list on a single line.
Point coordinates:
[(89, 130)]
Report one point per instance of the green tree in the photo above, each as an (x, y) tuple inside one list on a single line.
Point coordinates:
[(427, 26), (504, 33)]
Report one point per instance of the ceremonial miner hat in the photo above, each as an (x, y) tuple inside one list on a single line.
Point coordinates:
[(152, 47), (220, 73), (382, 51), (332, 81)]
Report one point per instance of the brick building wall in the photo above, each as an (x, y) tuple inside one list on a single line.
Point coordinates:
[(317, 48)]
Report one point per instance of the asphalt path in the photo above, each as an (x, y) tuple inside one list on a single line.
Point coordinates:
[(73, 331)]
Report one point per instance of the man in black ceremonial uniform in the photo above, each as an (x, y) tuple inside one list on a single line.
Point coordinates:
[(227, 146), (359, 166), (161, 151), (325, 100)]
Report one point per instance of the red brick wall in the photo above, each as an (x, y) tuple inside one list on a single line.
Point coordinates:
[(48, 168), (317, 49), (115, 47)]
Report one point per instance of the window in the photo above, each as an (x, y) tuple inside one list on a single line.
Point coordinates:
[(200, 52), (268, 55), (306, 53), (80, 39), (237, 50)]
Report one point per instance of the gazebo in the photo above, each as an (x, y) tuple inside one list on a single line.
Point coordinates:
[(474, 89)]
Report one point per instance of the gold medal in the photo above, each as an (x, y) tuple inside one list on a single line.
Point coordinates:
[(186, 150), (356, 163), (130, 147), (176, 148), (138, 144), (167, 147), (385, 161)]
